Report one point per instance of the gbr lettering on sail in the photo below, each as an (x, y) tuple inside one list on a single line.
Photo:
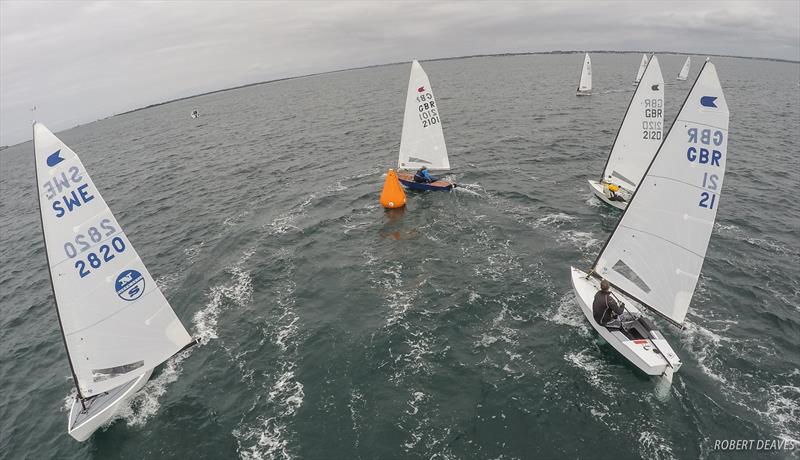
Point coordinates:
[(706, 148)]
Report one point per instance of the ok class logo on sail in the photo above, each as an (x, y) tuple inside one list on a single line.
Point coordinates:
[(54, 158)]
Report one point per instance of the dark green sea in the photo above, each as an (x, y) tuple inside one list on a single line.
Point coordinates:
[(331, 329)]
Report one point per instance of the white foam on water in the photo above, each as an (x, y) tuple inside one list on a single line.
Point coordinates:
[(357, 405), (584, 240), (269, 435), (398, 296), (270, 441), (471, 189), (593, 201), (145, 403), (653, 446), (555, 220), (193, 251), (595, 370), (239, 292), (704, 345), (783, 411), (567, 312), (235, 219)]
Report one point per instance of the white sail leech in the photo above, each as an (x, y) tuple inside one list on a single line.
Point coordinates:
[(640, 133), (657, 250), (585, 82), (117, 324), (422, 140), (640, 72)]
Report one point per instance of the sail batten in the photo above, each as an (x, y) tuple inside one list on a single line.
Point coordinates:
[(115, 322), (422, 140), (658, 247)]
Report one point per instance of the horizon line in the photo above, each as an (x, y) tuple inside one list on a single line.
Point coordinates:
[(522, 53)]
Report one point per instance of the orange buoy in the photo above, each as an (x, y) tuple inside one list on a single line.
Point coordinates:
[(392, 196)]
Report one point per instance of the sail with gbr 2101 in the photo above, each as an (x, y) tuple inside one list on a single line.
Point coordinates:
[(654, 256), (422, 141), (115, 322)]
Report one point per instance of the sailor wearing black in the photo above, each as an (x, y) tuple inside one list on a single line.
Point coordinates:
[(605, 306)]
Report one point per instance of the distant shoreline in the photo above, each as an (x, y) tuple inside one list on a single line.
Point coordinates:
[(529, 53)]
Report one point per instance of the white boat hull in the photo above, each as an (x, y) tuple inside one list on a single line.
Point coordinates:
[(641, 352), (583, 93), (597, 188), (100, 409)]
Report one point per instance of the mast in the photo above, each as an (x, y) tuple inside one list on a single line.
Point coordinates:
[(633, 197), (49, 273), (616, 136)]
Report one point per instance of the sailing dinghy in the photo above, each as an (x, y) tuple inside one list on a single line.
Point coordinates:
[(654, 256), (422, 140), (585, 82), (115, 322), (640, 72), (685, 70), (637, 141)]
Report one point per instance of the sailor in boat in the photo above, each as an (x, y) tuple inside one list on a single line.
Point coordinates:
[(610, 191), (607, 311), (424, 176)]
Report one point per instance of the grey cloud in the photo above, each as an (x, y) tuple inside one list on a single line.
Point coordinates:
[(79, 61)]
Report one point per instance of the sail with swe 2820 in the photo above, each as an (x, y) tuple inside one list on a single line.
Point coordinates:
[(116, 324)]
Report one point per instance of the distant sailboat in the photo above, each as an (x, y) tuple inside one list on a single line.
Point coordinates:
[(637, 141), (422, 140), (116, 324), (654, 256), (685, 70), (640, 72), (585, 81)]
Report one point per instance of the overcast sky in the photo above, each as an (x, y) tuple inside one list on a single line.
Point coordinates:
[(80, 61)]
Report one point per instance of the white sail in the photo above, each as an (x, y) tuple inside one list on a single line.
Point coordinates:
[(685, 70), (641, 131), (422, 141), (640, 72), (117, 325), (585, 83), (657, 250)]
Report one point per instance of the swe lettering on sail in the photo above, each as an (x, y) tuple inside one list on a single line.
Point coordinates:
[(71, 198), (708, 155)]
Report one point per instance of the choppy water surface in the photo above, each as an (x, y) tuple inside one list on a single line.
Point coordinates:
[(333, 329)]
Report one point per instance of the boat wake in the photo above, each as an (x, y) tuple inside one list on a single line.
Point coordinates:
[(264, 430)]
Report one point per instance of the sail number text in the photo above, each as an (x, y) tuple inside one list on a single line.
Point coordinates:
[(427, 110), (653, 108), (94, 259), (709, 156)]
